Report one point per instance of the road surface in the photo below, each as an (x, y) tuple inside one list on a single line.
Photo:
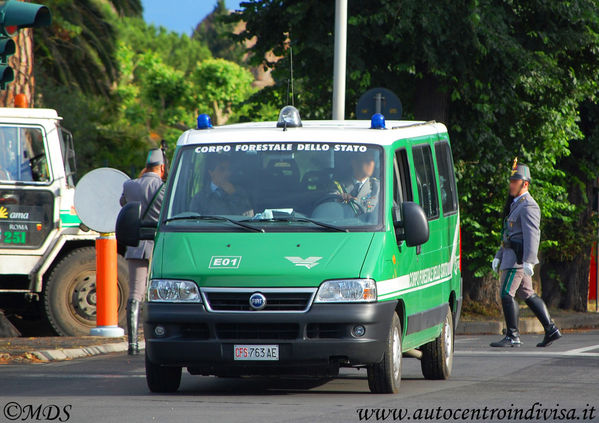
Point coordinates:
[(557, 383)]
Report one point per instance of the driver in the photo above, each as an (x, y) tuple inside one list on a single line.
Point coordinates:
[(362, 190), (219, 196)]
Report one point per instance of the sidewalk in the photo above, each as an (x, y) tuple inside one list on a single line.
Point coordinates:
[(57, 348), (54, 348)]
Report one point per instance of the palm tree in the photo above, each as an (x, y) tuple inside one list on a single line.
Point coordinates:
[(76, 50)]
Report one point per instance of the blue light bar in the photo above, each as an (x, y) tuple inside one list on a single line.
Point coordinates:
[(377, 121), (204, 121)]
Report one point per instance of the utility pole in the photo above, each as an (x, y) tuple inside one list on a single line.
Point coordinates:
[(340, 59)]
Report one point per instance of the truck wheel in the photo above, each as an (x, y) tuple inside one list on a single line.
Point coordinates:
[(70, 293), (437, 355), (384, 377), (162, 379)]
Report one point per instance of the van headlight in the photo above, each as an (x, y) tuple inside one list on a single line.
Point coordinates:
[(173, 291), (346, 291)]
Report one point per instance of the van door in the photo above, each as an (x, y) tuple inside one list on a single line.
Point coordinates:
[(428, 272), (449, 203)]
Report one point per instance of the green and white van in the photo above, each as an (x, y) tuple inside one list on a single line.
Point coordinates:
[(293, 248)]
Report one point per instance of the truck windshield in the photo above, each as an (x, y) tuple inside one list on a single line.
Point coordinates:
[(277, 186), (22, 155)]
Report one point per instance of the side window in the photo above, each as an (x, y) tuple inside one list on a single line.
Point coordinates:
[(402, 183), (23, 155), (449, 197), (425, 180)]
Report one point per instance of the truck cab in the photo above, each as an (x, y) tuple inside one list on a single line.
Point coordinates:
[(296, 247), (44, 253)]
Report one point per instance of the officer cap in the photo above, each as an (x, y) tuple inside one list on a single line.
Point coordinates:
[(520, 173), (155, 158)]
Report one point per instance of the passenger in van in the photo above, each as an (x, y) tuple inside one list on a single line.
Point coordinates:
[(219, 196), (362, 190)]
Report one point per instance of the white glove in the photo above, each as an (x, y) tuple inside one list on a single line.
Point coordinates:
[(495, 265), (528, 268)]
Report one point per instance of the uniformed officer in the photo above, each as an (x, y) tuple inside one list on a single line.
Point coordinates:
[(362, 191), (516, 259), (148, 189), (219, 196)]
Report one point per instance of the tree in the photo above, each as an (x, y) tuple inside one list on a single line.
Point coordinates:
[(79, 48), (22, 64), (506, 77), (224, 85), (218, 34)]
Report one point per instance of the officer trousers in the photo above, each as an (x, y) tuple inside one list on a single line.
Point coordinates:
[(516, 282), (138, 275)]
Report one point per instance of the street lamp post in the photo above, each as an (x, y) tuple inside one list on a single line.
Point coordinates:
[(340, 59)]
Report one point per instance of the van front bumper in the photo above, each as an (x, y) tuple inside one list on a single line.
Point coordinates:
[(320, 338)]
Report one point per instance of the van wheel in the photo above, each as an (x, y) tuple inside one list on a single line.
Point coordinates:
[(385, 377), (437, 355), (162, 379), (70, 293)]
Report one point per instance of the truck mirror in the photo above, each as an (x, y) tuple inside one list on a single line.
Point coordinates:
[(415, 224), (128, 224)]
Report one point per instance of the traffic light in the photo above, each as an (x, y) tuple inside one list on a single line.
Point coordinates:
[(14, 16)]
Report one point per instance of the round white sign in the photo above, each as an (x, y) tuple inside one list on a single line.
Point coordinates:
[(97, 198)]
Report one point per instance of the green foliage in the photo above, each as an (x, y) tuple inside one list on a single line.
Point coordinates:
[(224, 85), (217, 33), (78, 48), (160, 82)]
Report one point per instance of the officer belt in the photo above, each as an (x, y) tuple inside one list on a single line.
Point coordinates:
[(510, 244)]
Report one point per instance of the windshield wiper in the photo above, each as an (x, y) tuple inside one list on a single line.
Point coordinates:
[(219, 218), (300, 219)]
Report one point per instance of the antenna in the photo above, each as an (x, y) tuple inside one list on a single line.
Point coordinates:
[(291, 72)]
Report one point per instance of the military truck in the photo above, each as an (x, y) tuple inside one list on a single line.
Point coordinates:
[(46, 254)]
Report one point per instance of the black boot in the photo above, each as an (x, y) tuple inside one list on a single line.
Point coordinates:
[(538, 307), (132, 319), (510, 311)]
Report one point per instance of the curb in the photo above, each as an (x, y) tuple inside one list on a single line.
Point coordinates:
[(71, 353), (527, 325)]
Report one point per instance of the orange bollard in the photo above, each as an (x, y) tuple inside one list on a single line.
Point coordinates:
[(107, 317)]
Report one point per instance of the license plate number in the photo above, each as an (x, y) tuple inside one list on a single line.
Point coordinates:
[(256, 352)]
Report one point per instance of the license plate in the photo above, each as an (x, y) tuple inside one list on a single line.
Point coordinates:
[(256, 352)]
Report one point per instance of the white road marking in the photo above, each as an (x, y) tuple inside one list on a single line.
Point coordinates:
[(513, 352), (584, 349)]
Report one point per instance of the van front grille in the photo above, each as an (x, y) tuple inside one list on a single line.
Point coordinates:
[(277, 300)]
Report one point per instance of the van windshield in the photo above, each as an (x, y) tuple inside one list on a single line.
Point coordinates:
[(277, 186)]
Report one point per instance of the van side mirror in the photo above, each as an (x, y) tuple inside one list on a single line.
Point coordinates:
[(129, 228), (128, 223), (412, 225)]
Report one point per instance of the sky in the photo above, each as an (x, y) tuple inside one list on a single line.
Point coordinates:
[(180, 15)]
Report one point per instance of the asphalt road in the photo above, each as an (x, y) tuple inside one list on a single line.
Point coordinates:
[(550, 384)]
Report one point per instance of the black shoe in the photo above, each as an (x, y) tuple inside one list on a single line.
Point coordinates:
[(550, 336), (507, 342), (133, 350)]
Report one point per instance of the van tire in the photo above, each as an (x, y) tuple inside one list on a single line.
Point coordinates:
[(437, 355), (385, 377), (69, 293), (162, 379)]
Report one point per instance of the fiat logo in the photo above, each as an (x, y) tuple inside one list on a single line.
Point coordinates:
[(257, 301)]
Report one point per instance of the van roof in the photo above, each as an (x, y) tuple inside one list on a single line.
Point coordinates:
[(343, 131), (27, 113)]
